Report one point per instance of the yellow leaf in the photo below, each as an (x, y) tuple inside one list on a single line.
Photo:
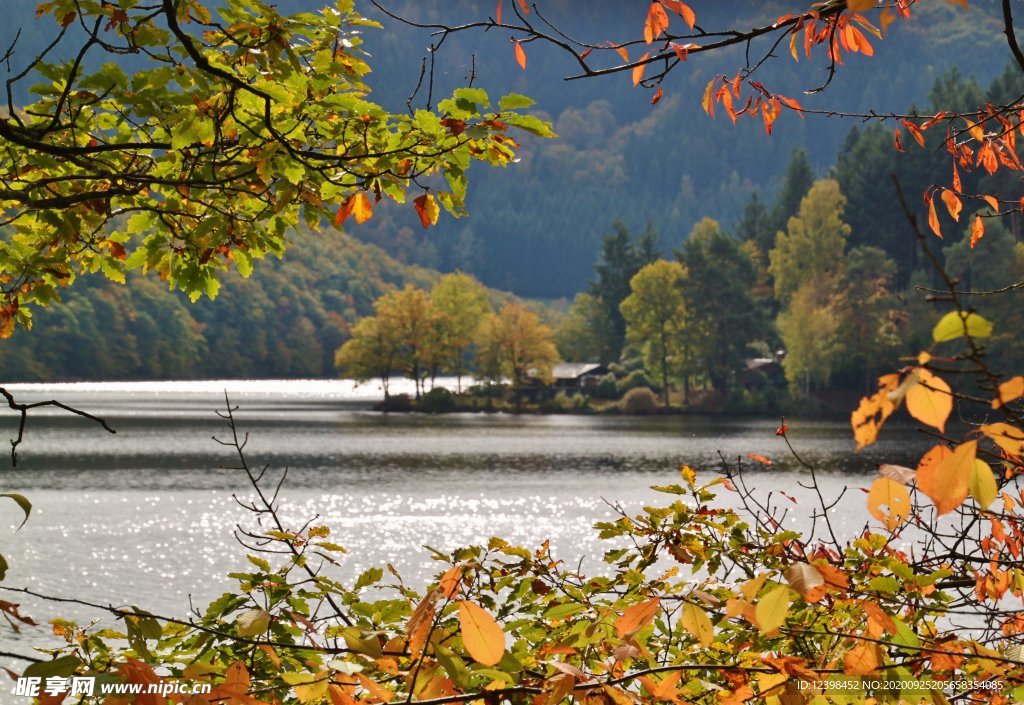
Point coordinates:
[(1009, 438), (484, 639), (952, 326), (947, 481), (637, 617), (1009, 390), (983, 484), (772, 609), (930, 401), (707, 102), (975, 130), (892, 495), (696, 621), (362, 209)]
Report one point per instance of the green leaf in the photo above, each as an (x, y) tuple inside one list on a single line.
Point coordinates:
[(61, 667), (369, 577), (952, 326), (22, 502), (514, 101), (252, 622)]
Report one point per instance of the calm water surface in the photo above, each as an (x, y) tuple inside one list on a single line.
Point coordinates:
[(146, 516)]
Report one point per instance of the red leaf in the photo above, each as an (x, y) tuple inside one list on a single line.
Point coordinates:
[(520, 56), (897, 141), (657, 96)]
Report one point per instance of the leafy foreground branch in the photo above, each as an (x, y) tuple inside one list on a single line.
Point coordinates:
[(699, 603)]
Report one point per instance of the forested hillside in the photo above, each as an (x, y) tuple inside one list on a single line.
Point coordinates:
[(284, 321)]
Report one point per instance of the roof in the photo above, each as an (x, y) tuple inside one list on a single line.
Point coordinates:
[(575, 370)]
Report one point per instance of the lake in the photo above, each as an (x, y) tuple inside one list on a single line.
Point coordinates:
[(146, 517)]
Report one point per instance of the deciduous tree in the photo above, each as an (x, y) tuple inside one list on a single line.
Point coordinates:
[(514, 344), (656, 320)]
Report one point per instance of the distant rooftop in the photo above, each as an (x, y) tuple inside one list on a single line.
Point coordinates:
[(575, 370)]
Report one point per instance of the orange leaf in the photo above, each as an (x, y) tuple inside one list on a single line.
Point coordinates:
[(933, 217), (344, 212), (947, 481), (638, 71), (953, 203), (657, 96), (427, 209), (992, 202), (760, 458), (914, 131), (450, 581), (957, 184), (484, 639), (419, 623), (977, 230), (637, 617), (930, 401), (497, 13), (362, 209), (621, 51), (520, 56), (896, 141), (681, 9), (656, 23), (861, 660), (892, 495), (524, 6), (1009, 390)]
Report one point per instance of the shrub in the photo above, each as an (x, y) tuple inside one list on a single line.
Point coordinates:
[(606, 388), (438, 401), (639, 401)]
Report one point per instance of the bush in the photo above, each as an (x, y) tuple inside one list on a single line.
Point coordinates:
[(639, 401), (606, 388), (438, 401), (633, 380), (395, 402)]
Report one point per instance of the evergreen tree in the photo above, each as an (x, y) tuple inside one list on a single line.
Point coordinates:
[(619, 261), (719, 301), (796, 182)]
